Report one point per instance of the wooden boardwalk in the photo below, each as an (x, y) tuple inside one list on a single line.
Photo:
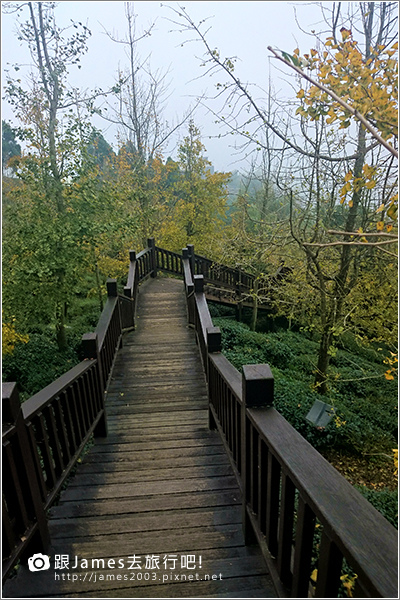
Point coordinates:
[(157, 498)]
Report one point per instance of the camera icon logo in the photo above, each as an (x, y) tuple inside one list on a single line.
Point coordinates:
[(39, 562)]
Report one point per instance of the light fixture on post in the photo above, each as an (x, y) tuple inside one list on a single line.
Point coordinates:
[(320, 414)]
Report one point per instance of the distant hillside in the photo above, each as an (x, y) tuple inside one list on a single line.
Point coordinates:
[(237, 184)]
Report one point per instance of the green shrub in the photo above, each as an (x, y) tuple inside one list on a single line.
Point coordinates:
[(38, 362), (219, 310), (251, 346), (83, 315), (370, 352), (386, 501), (365, 402)]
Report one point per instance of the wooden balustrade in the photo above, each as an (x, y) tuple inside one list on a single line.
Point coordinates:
[(304, 515), (146, 260), (215, 273), (23, 514), (208, 336), (44, 437), (224, 388), (42, 440), (109, 330), (128, 302), (170, 262)]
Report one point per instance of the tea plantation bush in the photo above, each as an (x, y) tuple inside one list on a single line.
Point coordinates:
[(365, 403), (385, 501), (35, 364)]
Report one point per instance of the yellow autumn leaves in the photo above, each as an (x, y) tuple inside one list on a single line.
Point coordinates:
[(396, 461), (10, 337), (347, 580), (367, 83), (355, 184), (392, 362)]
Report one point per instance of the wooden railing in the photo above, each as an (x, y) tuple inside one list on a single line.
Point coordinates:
[(305, 516), (170, 262), (44, 437), (218, 274), (42, 440)]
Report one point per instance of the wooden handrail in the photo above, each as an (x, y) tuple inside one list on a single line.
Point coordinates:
[(132, 280), (41, 445), (170, 262), (360, 533), (33, 405), (291, 494), (43, 438)]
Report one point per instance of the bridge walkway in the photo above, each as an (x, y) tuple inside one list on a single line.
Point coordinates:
[(157, 499)]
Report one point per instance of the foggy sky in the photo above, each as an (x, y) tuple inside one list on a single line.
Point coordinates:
[(241, 29)]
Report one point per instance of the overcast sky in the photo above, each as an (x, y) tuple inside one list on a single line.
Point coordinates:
[(241, 29)]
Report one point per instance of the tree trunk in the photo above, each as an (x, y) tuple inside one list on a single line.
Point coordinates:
[(320, 381), (61, 334), (254, 315), (342, 285)]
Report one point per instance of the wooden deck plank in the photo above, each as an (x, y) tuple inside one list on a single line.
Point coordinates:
[(123, 477), (240, 575), (180, 462), (146, 504), (128, 452), (160, 484), (178, 518), (154, 446), (148, 488)]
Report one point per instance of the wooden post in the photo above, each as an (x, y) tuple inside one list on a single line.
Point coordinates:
[(198, 281), (239, 305), (257, 391), (213, 345), (152, 245), (132, 258), (190, 248), (112, 292), (128, 291), (213, 339), (12, 415), (189, 292), (90, 347)]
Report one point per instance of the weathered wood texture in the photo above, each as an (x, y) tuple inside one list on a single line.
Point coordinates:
[(160, 484)]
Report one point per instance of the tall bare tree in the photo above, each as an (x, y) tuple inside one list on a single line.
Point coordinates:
[(139, 97)]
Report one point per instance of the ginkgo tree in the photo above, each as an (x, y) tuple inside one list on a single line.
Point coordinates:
[(43, 104), (359, 84), (350, 86), (198, 200)]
